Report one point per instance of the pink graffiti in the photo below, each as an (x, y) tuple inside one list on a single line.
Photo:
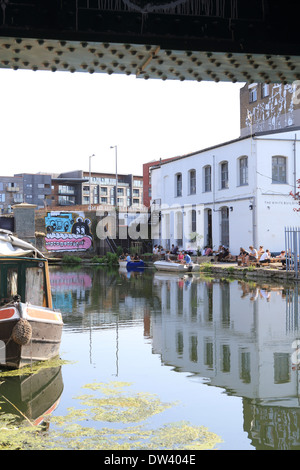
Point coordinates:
[(67, 242)]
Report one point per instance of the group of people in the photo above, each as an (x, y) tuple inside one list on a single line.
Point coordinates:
[(127, 257), (183, 257), (174, 255), (260, 256), (159, 250)]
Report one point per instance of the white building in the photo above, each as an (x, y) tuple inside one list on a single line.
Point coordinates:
[(235, 194)]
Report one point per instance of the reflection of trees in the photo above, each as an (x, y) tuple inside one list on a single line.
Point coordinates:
[(110, 288)]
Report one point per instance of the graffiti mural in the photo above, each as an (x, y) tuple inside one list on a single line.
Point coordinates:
[(67, 231)]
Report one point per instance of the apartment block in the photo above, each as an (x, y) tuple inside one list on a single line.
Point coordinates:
[(11, 192)]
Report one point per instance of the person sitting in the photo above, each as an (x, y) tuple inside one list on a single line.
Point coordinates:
[(174, 250), (136, 257), (260, 251), (241, 258), (224, 252), (167, 257), (265, 257), (180, 257), (252, 256), (155, 250), (208, 251), (187, 259), (282, 257), (128, 258)]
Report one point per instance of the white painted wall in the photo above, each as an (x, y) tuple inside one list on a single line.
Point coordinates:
[(272, 204)]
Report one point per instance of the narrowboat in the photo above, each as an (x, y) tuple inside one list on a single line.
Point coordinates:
[(30, 329)]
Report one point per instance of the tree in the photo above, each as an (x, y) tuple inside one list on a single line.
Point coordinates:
[(296, 195)]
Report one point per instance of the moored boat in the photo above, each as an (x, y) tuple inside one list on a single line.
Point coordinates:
[(175, 267), (135, 265), (123, 263), (30, 329)]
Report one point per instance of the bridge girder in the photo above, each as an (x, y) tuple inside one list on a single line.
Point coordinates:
[(215, 40)]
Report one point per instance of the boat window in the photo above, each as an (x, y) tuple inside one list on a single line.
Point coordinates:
[(12, 282), (35, 286)]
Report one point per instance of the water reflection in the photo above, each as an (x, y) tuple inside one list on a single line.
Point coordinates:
[(236, 335), (240, 336), (33, 396)]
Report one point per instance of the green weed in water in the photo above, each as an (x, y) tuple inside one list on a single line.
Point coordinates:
[(115, 420)]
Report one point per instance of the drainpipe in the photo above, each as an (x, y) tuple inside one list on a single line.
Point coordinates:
[(213, 180), (295, 160)]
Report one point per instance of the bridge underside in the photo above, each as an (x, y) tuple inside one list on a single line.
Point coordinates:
[(215, 40)]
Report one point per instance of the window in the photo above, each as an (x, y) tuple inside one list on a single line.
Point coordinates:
[(178, 188), (279, 169), (69, 200), (207, 179), (265, 90), (225, 226), (2, 197), (136, 192), (243, 171), (224, 175), (192, 181), (252, 95), (193, 221)]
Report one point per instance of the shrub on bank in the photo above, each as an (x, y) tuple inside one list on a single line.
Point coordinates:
[(71, 259)]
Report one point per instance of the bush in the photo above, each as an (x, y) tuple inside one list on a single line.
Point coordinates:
[(71, 259)]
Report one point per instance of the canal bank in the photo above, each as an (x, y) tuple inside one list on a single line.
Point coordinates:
[(271, 272)]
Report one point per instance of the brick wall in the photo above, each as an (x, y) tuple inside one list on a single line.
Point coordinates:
[(277, 110)]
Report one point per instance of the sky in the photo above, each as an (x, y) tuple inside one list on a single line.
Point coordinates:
[(53, 122)]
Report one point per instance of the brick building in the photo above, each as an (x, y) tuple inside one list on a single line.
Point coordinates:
[(268, 107)]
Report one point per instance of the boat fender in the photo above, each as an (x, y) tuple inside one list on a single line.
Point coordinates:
[(22, 332)]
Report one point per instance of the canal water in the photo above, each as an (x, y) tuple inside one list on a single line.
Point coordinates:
[(172, 354)]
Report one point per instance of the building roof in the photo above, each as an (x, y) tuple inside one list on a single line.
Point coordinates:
[(229, 142)]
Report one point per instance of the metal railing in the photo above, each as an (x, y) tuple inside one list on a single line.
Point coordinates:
[(292, 249)]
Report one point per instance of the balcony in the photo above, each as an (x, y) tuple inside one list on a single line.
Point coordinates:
[(13, 189)]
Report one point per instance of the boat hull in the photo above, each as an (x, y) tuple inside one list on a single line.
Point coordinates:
[(135, 265), (43, 330), (175, 267)]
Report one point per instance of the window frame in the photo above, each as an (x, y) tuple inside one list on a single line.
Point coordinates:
[(224, 175), (178, 185), (207, 179), (192, 181), (243, 171), (282, 179)]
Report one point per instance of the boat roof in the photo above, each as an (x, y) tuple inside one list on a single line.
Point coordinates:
[(15, 247)]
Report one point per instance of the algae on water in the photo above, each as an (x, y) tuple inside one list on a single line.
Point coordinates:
[(108, 417)]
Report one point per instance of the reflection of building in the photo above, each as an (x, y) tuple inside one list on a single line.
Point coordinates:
[(237, 337)]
